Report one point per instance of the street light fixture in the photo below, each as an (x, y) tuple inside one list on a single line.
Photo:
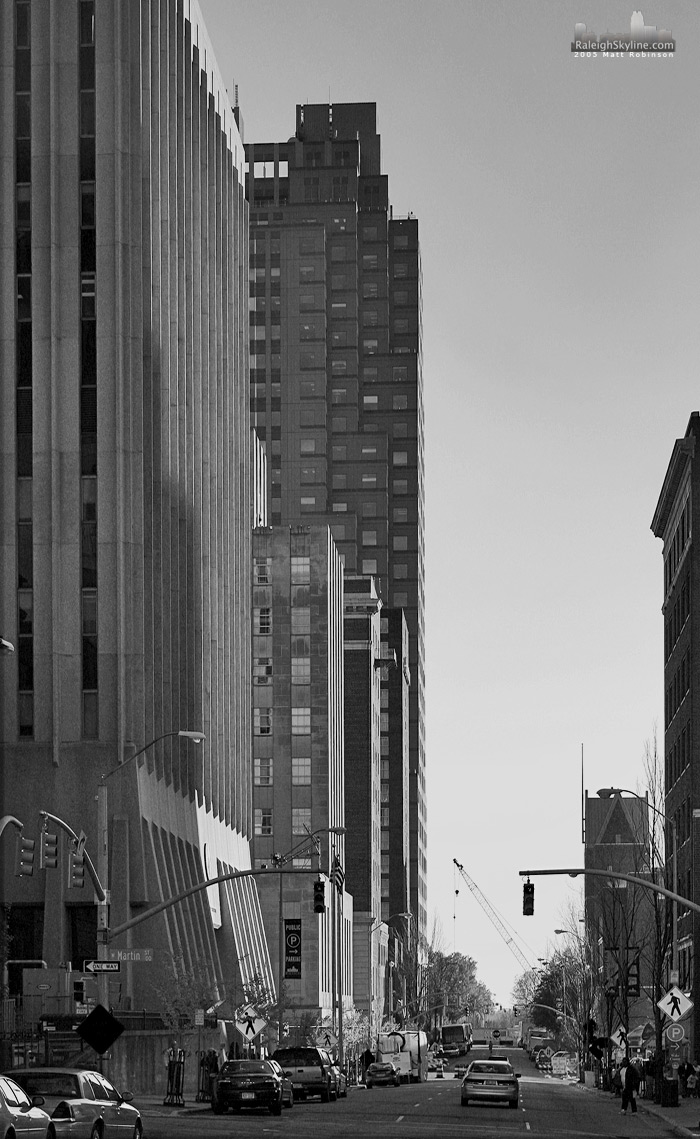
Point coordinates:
[(6, 647), (609, 793)]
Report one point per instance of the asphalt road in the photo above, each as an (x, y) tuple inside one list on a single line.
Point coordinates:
[(548, 1108)]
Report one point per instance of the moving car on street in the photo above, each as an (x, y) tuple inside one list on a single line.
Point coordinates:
[(489, 1080), (82, 1104), (251, 1083), (20, 1116)]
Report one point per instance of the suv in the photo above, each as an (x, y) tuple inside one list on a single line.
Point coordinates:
[(309, 1069)]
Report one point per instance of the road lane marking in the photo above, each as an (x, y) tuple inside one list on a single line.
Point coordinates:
[(400, 1119)]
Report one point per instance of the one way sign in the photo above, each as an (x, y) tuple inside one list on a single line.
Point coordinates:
[(102, 967)]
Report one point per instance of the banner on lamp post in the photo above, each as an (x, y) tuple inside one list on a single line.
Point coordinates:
[(292, 948)]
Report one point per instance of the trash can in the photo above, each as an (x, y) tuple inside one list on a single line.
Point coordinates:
[(669, 1093)]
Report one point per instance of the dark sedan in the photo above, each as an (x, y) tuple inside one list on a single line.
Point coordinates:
[(382, 1072), (251, 1083)]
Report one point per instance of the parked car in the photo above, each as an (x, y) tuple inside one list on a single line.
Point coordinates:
[(81, 1103), (20, 1115), (309, 1069), (490, 1080), (382, 1072), (251, 1083), (341, 1080)]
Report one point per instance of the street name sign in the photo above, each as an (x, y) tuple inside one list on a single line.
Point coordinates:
[(675, 1004), (102, 967), (140, 955)]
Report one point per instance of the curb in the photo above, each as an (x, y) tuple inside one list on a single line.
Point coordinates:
[(655, 1110)]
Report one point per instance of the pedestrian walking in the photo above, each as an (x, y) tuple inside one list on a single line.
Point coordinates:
[(685, 1069), (630, 1084)]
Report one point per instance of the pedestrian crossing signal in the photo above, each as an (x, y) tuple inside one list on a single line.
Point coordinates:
[(528, 899), (319, 897)]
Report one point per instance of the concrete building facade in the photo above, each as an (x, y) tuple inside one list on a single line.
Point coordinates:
[(126, 493)]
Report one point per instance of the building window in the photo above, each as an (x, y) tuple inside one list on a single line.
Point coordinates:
[(370, 402), (263, 771), (370, 290), (400, 403), (262, 571), (262, 620), (301, 771), (262, 721), (301, 721), (301, 620), (369, 537), (369, 481), (401, 297), (263, 821), (400, 542), (400, 570), (307, 503), (400, 600), (262, 670), (300, 570), (384, 769), (370, 318), (301, 820), (340, 482), (384, 817), (401, 326), (370, 346), (369, 262), (301, 670), (340, 452), (400, 458), (339, 423), (369, 565), (400, 270), (307, 446), (303, 863), (340, 507), (400, 486)]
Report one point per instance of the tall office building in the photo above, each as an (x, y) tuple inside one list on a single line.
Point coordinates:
[(298, 758), (126, 482), (336, 376), (676, 521)]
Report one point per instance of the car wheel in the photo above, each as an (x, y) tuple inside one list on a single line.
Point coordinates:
[(138, 1131), (276, 1108), (512, 1103), (326, 1094), (51, 1133), (465, 1102), (291, 1100), (368, 1086), (333, 1094), (218, 1107), (96, 1131)]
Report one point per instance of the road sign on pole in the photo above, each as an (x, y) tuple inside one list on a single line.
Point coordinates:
[(249, 1023), (102, 966), (675, 1004), (675, 1033)]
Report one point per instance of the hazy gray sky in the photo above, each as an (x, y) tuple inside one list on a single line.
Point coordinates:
[(558, 208)]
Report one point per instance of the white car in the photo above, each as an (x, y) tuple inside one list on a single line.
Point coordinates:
[(21, 1117), (82, 1104)]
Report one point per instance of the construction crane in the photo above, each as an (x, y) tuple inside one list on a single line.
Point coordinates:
[(494, 918)]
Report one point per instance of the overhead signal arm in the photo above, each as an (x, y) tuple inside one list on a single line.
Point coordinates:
[(494, 918)]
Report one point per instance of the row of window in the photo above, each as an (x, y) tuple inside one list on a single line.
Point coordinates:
[(263, 825), (678, 689), (24, 369), (262, 721), (301, 771), (677, 617), (675, 547), (678, 757)]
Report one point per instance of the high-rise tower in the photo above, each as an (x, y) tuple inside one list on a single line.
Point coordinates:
[(336, 381)]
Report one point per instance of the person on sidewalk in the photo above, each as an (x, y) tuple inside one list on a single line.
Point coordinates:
[(684, 1070), (630, 1084)]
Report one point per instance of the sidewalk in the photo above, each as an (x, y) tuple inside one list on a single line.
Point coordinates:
[(684, 1119)]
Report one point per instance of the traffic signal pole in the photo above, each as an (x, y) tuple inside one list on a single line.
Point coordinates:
[(612, 876)]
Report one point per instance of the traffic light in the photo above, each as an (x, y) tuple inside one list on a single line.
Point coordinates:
[(528, 899), (319, 896), (79, 992), (515, 1011), (76, 868), (24, 856), (48, 851)]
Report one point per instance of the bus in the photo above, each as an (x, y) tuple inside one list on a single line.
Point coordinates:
[(457, 1034)]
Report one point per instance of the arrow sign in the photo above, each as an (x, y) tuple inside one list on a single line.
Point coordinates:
[(102, 966), (675, 1004)]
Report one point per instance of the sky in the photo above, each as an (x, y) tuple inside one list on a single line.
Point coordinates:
[(559, 213)]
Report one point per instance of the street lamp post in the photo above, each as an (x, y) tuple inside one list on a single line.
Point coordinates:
[(103, 854), (608, 793)]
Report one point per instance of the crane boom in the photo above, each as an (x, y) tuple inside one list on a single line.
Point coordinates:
[(494, 918)]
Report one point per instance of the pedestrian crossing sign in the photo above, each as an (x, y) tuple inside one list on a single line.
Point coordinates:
[(675, 1004)]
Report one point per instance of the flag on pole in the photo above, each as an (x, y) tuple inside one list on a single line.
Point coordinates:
[(337, 874)]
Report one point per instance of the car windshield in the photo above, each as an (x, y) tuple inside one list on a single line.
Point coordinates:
[(237, 1067), (51, 1084), (484, 1068), (298, 1056)]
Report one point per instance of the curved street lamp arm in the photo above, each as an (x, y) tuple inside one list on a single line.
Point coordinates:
[(230, 877), (165, 736), (99, 889), (10, 820)]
